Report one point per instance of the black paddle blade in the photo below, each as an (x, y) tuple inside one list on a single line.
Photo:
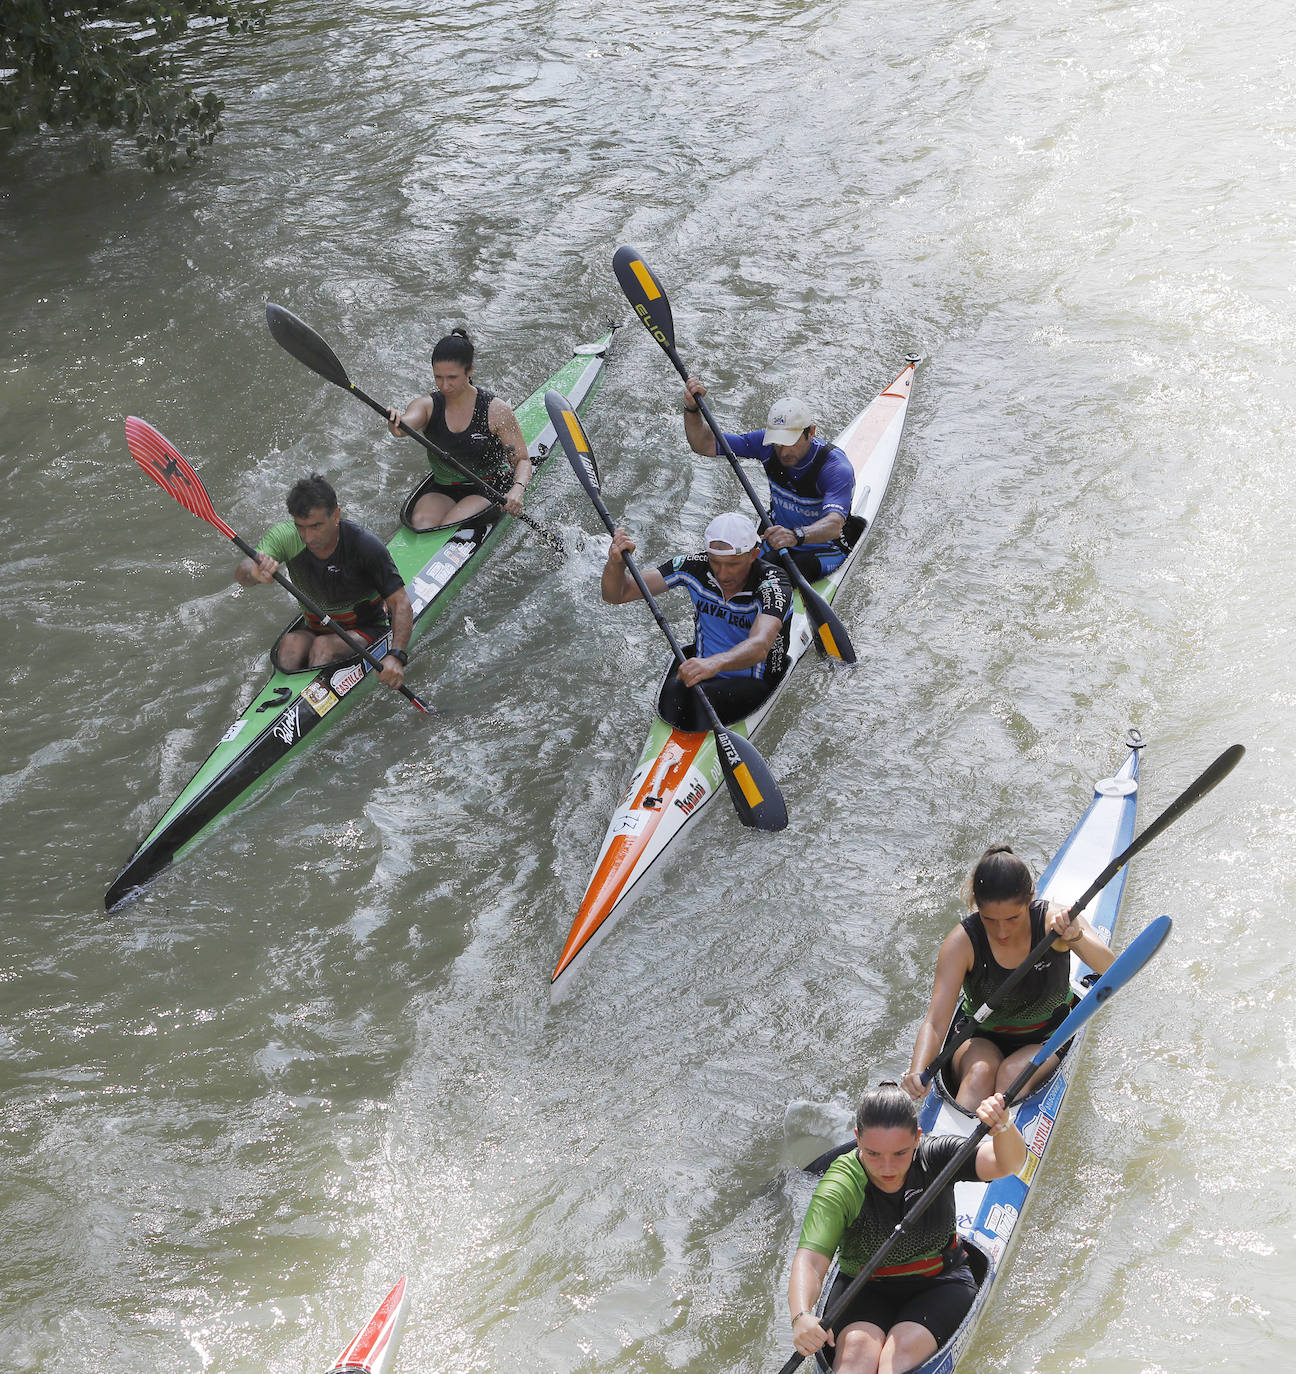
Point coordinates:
[(299, 339), (644, 292), (755, 794), (571, 435), (1190, 796)]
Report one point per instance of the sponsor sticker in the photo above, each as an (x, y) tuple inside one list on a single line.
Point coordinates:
[(345, 678), (233, 732), (1042, 1133), (690, 800), (287, 729), (999, 1221), (319, 698)]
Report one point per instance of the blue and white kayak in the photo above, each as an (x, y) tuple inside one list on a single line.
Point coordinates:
[(989, 1214)]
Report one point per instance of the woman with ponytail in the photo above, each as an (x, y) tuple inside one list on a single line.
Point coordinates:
[(474, 426), (913, 1304), (1005, 921)]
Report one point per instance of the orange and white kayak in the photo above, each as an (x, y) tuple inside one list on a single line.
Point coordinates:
[(374, 1349), (678, 772)]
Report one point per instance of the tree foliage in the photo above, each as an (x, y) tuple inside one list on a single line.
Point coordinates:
[(109, 65)]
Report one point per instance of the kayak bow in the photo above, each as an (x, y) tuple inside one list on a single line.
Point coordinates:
[(373, 1351)]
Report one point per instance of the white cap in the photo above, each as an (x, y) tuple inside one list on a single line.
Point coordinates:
[(731, 533), (788, 416)]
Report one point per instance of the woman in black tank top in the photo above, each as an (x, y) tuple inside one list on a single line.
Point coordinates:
[(472, 425), (1007, 923)]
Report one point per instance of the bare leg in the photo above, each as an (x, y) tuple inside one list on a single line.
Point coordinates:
[(436, 508), (908, 1344), (294, 650), (329, 648), (976, 1062), (1016, 1062), (859, 1347)]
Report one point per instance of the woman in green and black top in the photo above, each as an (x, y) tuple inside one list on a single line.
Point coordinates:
[(472, 425), (1004, 923), (914, 1303)]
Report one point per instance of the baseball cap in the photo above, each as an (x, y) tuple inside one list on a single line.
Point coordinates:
[(788, 416), (731, 533)]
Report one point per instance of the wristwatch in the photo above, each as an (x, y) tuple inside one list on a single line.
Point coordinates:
[(399, 655), (799, 531)]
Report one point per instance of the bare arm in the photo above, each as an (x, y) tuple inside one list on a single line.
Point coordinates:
[(753, 650), (402, 624), (952, 966), (416, 415), (1004, 1151), (1079, 937), (616, 584), (504, 426), (826, 528), (696, 430), (809, 1269), (250, 574)]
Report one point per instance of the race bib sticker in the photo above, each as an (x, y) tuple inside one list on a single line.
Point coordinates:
[(233, 732)]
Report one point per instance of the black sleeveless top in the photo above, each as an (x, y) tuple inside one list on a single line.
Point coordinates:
[(1042, 995), (475, 447)]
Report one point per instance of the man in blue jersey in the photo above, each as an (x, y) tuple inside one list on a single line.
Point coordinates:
[(345, 569), (742, 610), (811, 482)]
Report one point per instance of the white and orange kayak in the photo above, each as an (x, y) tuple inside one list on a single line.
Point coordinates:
[(678, 772), (374, 1349)]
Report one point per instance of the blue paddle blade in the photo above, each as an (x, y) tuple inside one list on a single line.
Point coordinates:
[(1136, 954)]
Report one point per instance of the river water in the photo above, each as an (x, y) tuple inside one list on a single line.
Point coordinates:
[(321, 1051)]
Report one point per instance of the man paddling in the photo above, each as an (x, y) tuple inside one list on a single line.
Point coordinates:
[(343, 567), (742, 608), (811, 481)]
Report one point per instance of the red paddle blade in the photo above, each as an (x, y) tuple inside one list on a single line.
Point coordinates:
[(165, 465)]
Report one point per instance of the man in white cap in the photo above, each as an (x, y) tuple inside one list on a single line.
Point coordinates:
[(811, 482), (742, 609)]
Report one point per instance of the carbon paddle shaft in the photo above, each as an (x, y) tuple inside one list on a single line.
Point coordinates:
[(1136, 957)]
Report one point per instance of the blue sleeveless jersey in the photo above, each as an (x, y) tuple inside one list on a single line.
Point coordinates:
[(720, 625), (822, 482)]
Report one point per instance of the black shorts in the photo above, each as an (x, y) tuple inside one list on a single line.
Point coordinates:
[(732, 698), (1009, 1042), (939, 1303)]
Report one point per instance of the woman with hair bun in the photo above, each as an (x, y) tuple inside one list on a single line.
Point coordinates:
[(474, 426), (913, 1304), (1005, 921)]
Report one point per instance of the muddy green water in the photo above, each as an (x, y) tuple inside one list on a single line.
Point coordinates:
[(321, 1052)]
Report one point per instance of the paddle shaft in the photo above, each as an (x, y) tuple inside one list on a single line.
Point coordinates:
[(356, 646), (1136, 956), (1192, 794)]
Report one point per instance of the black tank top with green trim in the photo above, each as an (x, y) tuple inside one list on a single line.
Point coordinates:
[(1045, 989), (476, 447)]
